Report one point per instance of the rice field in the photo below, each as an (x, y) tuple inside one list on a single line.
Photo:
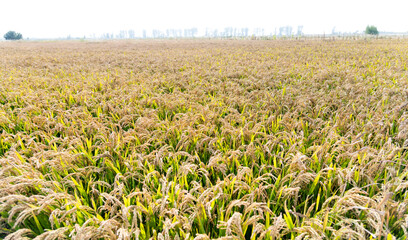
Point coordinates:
[(204, 139)]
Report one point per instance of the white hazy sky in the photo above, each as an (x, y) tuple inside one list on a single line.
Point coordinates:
[(60, 18)]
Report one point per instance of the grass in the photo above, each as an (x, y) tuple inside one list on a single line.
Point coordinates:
[(204, 140)]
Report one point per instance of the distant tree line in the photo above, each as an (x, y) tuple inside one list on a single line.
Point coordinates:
[(228, 32)]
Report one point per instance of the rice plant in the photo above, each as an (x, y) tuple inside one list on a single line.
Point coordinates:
[(204, 140)]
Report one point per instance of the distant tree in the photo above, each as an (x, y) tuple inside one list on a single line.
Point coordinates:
[(372, 30), (11, 35)]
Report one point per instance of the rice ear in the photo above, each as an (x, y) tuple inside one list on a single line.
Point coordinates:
[(23, 233)]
